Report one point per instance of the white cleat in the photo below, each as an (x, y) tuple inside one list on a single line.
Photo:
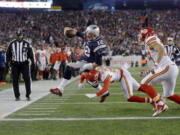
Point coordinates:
[(160, 109)]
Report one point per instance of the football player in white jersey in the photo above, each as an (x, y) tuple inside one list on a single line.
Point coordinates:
[(41, 61), (163, 71)]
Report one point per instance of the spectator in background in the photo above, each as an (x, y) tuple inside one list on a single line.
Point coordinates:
[(63, 58), (41, 61), (143, 61), (53, 58), (2, 66), (119, 29)]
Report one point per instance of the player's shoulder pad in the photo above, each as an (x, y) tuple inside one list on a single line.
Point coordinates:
[(100, 45), (153, 39)]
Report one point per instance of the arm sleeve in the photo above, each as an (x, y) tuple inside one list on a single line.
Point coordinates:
[(31, 54), (83, 76), (9, 54), (100, 50), (177, 51), (80, 34), (106, 86)]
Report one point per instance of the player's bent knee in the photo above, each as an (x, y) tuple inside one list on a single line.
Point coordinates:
[(143, 87), (130, 99), (169, 96), (68, 72)]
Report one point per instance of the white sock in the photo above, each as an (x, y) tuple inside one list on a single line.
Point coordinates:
[(150, 100), (160, 103), (62, 84)]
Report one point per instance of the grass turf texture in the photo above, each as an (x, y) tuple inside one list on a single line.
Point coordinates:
[(75, 105), (7, 86)]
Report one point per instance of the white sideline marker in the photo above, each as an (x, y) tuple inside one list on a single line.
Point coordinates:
[(41, 108), (92, 119), (31, 114), (38, 111)]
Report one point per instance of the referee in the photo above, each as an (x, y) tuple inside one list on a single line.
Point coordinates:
[(18, 54), (171, 49)]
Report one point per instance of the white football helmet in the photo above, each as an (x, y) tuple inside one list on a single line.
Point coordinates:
[(93, 29)]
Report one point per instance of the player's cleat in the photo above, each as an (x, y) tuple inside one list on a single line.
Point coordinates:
[(56, 91), (17, 99), (160, 109), (28, 98), (103, 98)]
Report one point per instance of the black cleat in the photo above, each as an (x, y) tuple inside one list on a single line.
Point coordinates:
[(103, 98), (28, 98), (17, 99)]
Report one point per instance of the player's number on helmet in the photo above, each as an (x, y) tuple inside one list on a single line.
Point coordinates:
[(87, 51)]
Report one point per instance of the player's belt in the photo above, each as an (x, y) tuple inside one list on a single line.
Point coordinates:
[(121, 74)]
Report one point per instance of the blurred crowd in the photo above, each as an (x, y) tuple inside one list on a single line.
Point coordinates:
[(119, 28)]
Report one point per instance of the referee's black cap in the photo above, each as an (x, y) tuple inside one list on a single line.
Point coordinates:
[(19, 35)]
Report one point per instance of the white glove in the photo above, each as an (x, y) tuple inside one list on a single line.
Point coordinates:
[(90, 95), (81, 85)]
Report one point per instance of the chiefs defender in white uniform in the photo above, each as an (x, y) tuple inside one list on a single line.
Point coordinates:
[(164, 71), (108, 76)]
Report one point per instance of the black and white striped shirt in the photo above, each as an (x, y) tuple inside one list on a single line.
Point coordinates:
[(19, 51), (172, 51)]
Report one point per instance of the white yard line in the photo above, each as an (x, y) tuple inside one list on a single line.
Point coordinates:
[(118, 88), (83, 94), (50, 100), (39, 111), (26, 114), (41, 108), (92, 103), (93, 119)]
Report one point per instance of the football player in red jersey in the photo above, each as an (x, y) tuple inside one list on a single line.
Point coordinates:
[(108, 76)]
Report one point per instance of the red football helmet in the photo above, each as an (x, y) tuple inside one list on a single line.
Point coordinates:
[(93, 75), (145, 32)]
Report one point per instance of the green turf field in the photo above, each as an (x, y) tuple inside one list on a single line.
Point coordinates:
[(75, 114)]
